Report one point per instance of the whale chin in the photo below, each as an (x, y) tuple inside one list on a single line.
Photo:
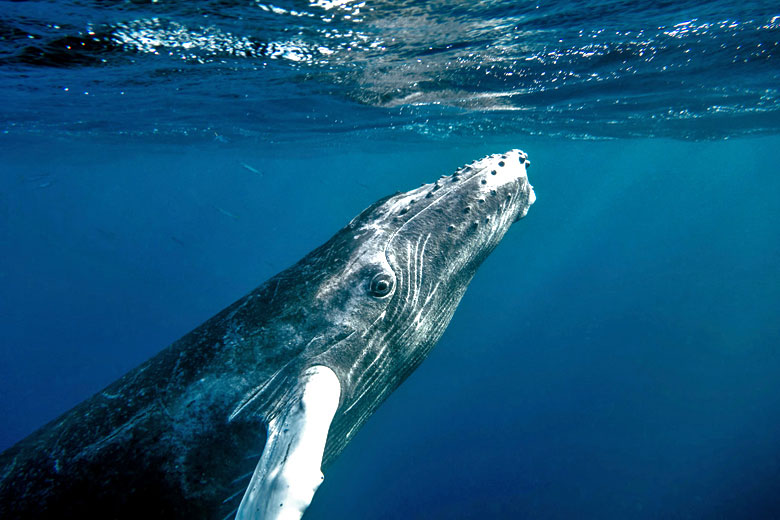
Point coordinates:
[(531, 199)]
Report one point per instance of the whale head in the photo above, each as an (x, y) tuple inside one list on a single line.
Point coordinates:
[(371, 302), (399, 270)]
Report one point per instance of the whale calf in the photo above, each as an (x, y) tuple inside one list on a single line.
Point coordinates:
[(237, 418)]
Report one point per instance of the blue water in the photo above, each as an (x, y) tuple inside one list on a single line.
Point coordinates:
[(616, 357)]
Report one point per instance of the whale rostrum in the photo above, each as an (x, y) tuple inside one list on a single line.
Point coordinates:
[(238, 418)]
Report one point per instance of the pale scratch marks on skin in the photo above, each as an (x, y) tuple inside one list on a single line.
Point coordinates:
[(416, 275), (431, 293), (239, 492), (368, 384), (420, 262), (164, 408), (231, 514), (10, 468), (244, 476), (370, 328), (258, 391), (108, 439), (175, 370), (375, 375), (409, 270), (422, 256)]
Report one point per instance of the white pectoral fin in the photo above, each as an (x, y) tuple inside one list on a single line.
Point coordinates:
[(288, 472)]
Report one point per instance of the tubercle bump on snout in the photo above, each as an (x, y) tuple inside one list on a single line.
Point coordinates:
[(490, 172)]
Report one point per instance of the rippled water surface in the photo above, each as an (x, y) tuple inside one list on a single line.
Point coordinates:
[(235, 68)]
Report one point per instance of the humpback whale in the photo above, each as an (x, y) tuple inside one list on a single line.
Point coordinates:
[(238, 418)]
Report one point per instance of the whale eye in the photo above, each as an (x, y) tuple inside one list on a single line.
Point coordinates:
[(381, 285)]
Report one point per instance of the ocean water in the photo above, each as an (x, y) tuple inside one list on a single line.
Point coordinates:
[(617, 355)]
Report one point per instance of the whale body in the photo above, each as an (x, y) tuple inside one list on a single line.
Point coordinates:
[(237, 418)]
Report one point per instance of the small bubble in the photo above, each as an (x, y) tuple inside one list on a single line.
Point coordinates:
[(500, 163), (450, 228), (484, 181), (492, 172)]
